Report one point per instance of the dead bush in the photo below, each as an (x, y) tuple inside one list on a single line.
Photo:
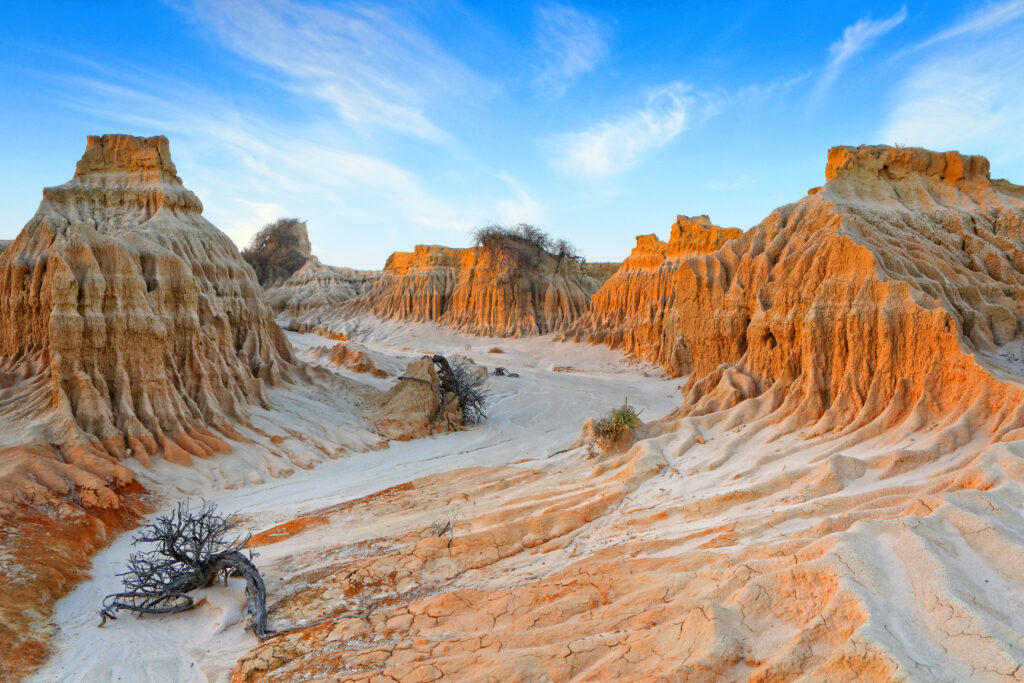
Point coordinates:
[(188, 550)]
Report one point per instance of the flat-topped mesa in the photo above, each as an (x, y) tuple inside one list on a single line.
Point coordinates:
[(897, 163), (122, 173), (139, 316), (423, 257), (629, 310), (506, 289)]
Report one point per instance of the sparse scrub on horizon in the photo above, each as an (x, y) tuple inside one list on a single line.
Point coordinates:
[(523, 244)]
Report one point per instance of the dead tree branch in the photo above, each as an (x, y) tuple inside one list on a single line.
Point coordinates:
[(189, 549)]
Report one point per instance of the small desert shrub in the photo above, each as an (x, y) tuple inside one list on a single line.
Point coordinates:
[(610, 427), (496, 350), (446, 525)]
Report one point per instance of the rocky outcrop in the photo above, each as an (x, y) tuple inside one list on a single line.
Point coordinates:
[(346, 355), (278, 250), (315, 286), (415, 406), (870, 302), (509, 291), (629, 311), (130, 327)]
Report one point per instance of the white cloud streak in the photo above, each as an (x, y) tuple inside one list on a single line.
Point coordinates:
[(572, 42), (371, 65), (856, 38), (610, 147), (969, 98), (990, 17)]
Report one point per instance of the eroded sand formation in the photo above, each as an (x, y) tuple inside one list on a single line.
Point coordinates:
[(117, 278), (316, 289), (839, 496), (483, 291), (131, 328), (632, 310)]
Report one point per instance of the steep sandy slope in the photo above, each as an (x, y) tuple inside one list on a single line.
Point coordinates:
[(862, 304), (840, 496), (318, 286), (630, 309), (515, 290)]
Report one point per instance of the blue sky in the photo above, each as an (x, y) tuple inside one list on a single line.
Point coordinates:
[(389, 125)]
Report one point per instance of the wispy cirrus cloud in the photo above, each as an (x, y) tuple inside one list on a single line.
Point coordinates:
[(572, 42), (856, 39), (524, 207), (369, 63), (966, 89), (987, 18), (249, 169), (612, 146)]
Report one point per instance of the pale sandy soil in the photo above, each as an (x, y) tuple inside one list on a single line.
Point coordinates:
[(531, 417)]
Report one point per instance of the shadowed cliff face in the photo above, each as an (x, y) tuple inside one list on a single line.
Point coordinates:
[(278, 250), (510, 291)]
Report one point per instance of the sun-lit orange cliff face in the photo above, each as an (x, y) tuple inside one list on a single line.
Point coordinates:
[(865, 301), (629, 310), (865, 298), (521, 290)]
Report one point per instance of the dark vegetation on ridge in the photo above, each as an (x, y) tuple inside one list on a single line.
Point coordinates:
[(278, 250)]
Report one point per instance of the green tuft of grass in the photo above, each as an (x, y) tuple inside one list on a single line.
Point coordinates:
[(610, 427)]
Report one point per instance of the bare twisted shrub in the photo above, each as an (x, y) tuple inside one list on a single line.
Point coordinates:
[(189, 549)]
